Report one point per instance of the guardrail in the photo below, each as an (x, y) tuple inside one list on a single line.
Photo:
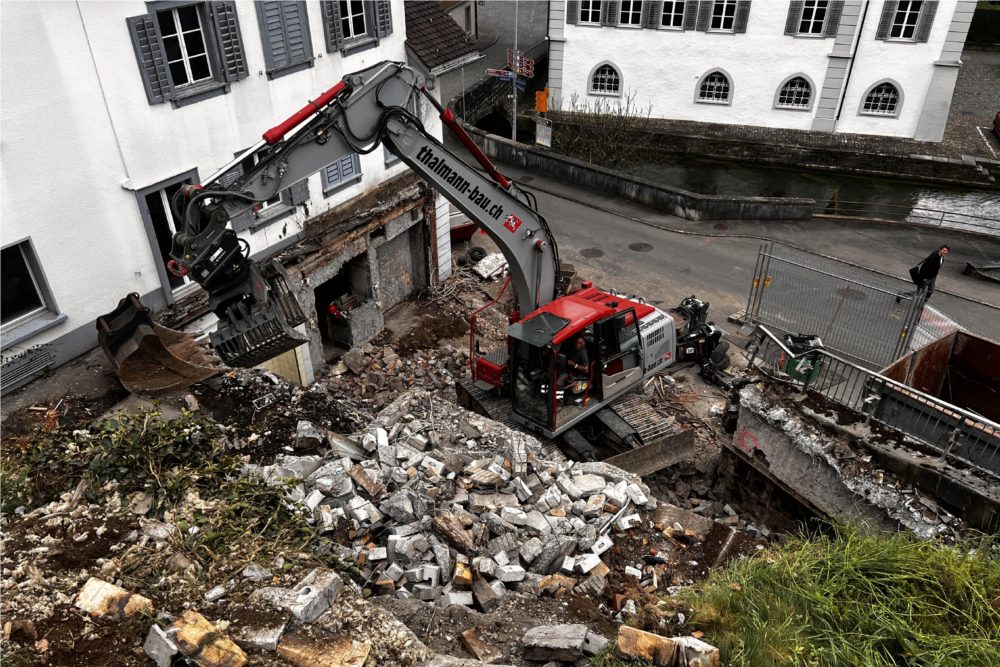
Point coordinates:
[(957, 435), (982, 224)]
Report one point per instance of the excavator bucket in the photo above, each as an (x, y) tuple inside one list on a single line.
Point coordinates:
[(149, 358)]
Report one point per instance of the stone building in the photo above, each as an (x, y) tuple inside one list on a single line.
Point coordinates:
[(861, 66)]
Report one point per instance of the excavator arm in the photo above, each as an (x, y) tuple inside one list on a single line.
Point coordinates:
[(256, 309)]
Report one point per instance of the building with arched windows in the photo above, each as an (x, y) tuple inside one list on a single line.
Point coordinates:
[(885, 67)]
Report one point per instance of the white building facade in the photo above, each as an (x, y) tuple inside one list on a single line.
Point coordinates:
[(108, 107), (879, 67)]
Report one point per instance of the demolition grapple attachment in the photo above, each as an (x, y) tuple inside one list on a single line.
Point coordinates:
[(252, 330)]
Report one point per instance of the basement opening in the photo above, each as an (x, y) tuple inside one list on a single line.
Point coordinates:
[(335, 298)]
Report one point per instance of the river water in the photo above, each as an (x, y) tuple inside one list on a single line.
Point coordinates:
[(975, 210)]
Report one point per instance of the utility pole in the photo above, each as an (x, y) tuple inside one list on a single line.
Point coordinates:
[(513, 83)]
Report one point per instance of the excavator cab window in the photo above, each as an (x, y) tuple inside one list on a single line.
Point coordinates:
[(533, 384), (620, 352)]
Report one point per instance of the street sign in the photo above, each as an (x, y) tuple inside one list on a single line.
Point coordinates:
[(543, 132), (500, 73), (521, 84), (527, 72)]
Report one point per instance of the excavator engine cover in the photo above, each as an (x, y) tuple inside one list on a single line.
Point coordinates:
[(247, 336), (149, 358)]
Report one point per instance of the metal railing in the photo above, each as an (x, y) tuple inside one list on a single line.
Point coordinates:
[(922, 215), (957, 435)]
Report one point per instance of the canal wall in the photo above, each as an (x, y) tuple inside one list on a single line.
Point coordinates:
[(684, 204)]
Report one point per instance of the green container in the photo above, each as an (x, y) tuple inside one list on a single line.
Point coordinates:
[(804, 369)]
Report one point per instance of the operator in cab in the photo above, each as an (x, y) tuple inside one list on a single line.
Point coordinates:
[(572, 362)]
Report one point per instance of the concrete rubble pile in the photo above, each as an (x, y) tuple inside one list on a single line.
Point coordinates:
[(451, 508), (380, 373)]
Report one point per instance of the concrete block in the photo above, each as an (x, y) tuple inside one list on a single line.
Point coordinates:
[(530, 550), (486, 566), (214, 594), (101, 599), (636, 644), (264, 637), (413, 575), (308, 600), (509, 574), (513, 515), (535, 523), (586, 563), (594, 506), (313, 500), (431, 574), (594, 643), (463, 598), (636, 494), (521, 490), (562, 643), (602, 544), (378, 553), (566, 485), (463, 576), (569, 562), (628, 522), (426, 592), (633, 572), (589, 484), (491, 502), (483, 651), (307, 436), (485, 595), (501, 558), (255, 572), (199, 639), (159, 646)]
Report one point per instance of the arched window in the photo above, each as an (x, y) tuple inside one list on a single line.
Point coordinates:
[(715, 88), (605, 80), (882, 100), (795, 94)]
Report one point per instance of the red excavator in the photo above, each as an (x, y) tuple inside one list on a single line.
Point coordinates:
[(568, 353)]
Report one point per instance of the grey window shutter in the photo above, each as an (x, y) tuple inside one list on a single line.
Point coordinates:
[(690, 14), (793, 18), (833, 18), (231, 176), (704, 15), (926, 22), (383, 18), (609, 9), (242, 221), (644, 12), (299, 192), (149, 55), (742, 16), (572, 11), (227, 31), (284, 33), (888, 11), (332, 29), (652, 11)]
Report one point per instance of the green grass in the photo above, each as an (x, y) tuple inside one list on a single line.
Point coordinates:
[(850, 598)]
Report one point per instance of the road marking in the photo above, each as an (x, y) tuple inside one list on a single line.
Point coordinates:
[(987, 141)]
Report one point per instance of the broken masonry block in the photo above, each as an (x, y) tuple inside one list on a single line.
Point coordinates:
[(415, 574), (594, 643), (262, 636), (313, 500), (602, 544), (530, 550), (594, 506), (486, 566), (628, 522), (484, 652), (592, 585), (633, 572), (101, 599), (307, 436), (509, 574), (197, 638), (522, 490), (569, 562), (462, 598), (662, 651), (589, 484), (536, 523), (159, 646), (587, 562), (378, 553), (563, 643), (513, 515), (636, 494), (463, 576), (303, 650), (426, 592), (309, 599), (501, 558), (554, 550), (567, 486), (431, 574)]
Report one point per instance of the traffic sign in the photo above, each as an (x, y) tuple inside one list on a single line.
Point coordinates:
[(500, 73), (521, 84)]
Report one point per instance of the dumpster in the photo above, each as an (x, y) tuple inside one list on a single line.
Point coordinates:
[(804, 369)]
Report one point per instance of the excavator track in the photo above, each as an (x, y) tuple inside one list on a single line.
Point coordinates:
[(638, 425)]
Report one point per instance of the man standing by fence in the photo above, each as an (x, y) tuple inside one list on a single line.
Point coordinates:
[(925, 273)]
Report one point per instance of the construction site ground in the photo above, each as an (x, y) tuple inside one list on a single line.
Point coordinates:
[(49, 553)]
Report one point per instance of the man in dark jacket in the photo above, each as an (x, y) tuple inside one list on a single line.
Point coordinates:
[(925, 273)]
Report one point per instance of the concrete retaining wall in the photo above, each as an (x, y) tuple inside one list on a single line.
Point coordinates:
[(677, 202)]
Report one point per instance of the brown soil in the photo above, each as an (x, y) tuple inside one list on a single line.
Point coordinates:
[(428, 331), (69, 640), (68, 553)]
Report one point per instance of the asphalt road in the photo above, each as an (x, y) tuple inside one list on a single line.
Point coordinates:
[(629, 247)]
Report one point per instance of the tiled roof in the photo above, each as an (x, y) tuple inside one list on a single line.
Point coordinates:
[(433, 35)]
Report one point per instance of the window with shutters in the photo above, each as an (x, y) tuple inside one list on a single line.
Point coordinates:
[(630, 13), (673, 15), (723, 15), (188, 52), (590, 12), (796, 93), (605, 80), (341, 172), (814, 18), (883, 99), (354, 25), (284, 34), (25, 294), (906, 21), (714, 88), (157, 217)]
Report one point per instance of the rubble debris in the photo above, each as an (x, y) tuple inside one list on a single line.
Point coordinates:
[(103, 600), (203, 643), (309, 599), (336, 651), (563, 643), (636, 644), (160, 647), (483, 651)]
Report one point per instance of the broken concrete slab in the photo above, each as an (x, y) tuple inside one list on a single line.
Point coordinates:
[(263, 636), (555, 642), (159, 646), (199, 640), (473, 641), (636, 644), (101, 599), (339, 651), (309, 599)]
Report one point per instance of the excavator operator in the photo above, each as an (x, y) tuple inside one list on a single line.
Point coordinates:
[(573, 362)]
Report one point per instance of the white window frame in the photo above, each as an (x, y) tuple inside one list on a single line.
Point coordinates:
[(25, 325), (718, 102), (674, 14), (880, 114), (721, 16), (632, 16), (593, 8), (593, 73), (905, 11), (182, 44), (813, 32), (788, 107), (347, 20)]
